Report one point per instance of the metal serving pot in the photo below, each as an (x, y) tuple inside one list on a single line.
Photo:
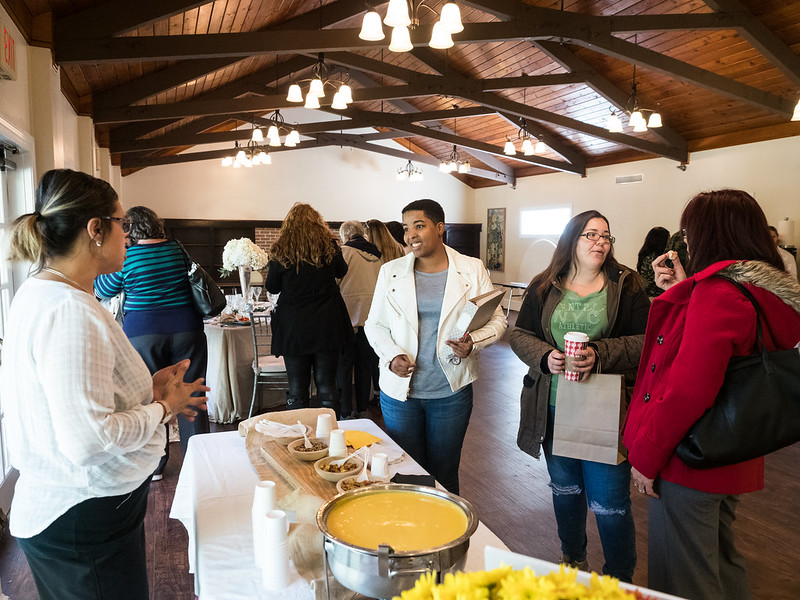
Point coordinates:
[(384, 573)]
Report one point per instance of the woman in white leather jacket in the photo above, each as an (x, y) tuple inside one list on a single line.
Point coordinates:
[(426, 392)]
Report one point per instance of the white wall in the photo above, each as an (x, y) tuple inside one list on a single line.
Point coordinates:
[(770, 171), (342, 183)]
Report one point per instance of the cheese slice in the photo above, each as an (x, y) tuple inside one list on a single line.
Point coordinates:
[(359, 439)]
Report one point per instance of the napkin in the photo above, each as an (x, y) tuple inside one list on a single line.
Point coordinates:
[(359, 439), (274, 429)]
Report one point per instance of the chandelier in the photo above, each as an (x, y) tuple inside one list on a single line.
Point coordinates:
[(454, 163), (409, 172), (256, 152), (635, 113), (402, 15), (247, 156), (530, 143), (321, 76)]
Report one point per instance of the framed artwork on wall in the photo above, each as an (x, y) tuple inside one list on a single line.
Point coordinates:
[(496, 239)]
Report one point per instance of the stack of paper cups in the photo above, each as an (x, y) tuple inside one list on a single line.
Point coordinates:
[(337, 447), (264, 501), (275, 568), (324, 426)]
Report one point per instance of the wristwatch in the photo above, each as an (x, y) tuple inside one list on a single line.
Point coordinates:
[(167, 412)]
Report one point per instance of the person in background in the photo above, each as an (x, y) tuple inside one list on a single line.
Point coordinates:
[(583, 289), (380, 235), (396, 229), (357, 286), (426, 395), (677, 244), (83, 416), (694, 329), (789, 262), (160, 318), (655, 244), (310, 323)]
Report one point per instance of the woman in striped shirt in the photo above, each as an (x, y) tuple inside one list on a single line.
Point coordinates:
[(160, 318)]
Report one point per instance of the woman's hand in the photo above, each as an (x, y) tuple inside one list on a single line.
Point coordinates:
[(642, 483), (584, 362), (402, 366), (666, 277), (556, 361), (461, 347), (169, 388)]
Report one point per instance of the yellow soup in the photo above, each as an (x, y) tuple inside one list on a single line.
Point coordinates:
[(403, 520)]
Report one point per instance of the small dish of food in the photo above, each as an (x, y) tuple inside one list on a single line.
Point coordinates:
[(352, 483), (336, 473), (319, 449)]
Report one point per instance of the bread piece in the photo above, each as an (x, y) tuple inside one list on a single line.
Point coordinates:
[(672, 255)]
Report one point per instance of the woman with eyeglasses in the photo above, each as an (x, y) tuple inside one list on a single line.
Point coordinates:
[(583, 289), (83, 414), (160, 317), (695, 327)]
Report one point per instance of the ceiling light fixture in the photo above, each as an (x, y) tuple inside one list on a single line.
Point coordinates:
[(636, 114), (454, 163), (530, 143), (409, 172), (256, 152), (322, 75), (402, 15), (796, 115)]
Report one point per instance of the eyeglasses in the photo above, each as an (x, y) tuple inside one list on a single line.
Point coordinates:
[(593, 236), (126, 225)]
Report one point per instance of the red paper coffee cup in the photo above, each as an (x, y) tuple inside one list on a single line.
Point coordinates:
[(575, 343)]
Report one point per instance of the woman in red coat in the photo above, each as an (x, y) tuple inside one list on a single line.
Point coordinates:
[(693, 330)]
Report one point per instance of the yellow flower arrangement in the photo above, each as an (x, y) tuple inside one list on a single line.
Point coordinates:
[(506, 584)]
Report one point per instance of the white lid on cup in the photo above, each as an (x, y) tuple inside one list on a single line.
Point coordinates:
[(576, 336)]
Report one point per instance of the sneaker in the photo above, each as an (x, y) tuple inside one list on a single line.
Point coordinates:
[(581, 565), (157, 477)]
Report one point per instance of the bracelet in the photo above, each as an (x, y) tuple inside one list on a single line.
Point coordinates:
[(164, 411)]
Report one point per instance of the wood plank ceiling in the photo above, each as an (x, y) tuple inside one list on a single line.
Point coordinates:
[(162, 76)]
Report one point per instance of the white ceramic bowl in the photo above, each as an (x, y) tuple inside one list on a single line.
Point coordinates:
[(296, 449), (342, 484), (336, 477)]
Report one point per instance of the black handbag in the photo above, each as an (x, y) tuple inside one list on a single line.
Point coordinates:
[(209, 300), (757, 409)]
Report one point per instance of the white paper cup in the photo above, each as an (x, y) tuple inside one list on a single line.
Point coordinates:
[(264, 500), (276, 526), (275, 568), (324, 426), (380, 465), (337, 446), (575, 343)]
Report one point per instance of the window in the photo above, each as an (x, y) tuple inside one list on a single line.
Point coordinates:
[(543, 221)]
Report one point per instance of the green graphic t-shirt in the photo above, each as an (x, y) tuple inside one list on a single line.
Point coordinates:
[(586, 314)]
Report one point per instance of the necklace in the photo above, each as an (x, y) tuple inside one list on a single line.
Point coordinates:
[(68, 279)]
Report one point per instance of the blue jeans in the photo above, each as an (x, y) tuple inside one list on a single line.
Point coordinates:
[(431, 431), (605, 489)]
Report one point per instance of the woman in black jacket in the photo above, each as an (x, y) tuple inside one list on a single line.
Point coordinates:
[(310, 323)]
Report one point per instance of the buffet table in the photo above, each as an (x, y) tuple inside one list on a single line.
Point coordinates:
[(213, 500)]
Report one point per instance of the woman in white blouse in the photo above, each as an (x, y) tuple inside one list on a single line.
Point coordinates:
[(82, 410)]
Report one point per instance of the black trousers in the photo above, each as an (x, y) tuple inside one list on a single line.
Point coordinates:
[(94, 551), (357, 357), (162, 350), (298, 370)]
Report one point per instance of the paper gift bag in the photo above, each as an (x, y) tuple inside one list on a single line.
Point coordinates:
[(589, 415)]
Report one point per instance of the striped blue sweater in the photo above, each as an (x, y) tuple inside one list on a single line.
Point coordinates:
[(153, 277)]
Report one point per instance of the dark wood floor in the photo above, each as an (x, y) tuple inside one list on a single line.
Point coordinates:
[(509, 490)]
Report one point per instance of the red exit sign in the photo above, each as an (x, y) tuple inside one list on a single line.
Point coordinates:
[(8, 63)]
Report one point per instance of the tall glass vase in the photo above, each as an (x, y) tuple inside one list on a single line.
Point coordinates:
[(244, 280)]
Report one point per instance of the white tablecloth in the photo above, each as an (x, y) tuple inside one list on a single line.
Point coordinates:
[(230, 372), (213, 500)]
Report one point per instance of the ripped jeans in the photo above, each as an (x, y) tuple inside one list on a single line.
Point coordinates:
[(578, 484)]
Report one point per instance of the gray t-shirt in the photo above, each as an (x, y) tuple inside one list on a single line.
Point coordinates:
[(428, 380)]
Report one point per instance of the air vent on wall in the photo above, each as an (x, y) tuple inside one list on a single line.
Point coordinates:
[(629, 179)]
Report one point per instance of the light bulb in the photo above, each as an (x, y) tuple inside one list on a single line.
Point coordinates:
[(402, 175), (464, 167), (416, 176), (796, 115), (654, 121), (509, 148), (240, 157), (264, 158), (440, 39), (451, 18), (540, 148), (636, 117), (444, 167), (527, 147), (397, 14), (295, 93), (311, 101), (371, 28), (338, 102), (274, 136), (227, 161), (256, 160), (638, 122), (316, 88), (258, 135), (346, 92), (292, 139), (614, 124), (401, 40)]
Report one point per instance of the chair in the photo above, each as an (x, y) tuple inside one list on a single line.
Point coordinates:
[(269, 370)]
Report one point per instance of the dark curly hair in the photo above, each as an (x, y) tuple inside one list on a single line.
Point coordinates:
[(144, 224)]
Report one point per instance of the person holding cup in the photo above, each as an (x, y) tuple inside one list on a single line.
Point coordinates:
[(601, 307)]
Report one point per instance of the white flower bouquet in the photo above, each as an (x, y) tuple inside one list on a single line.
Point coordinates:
[(242, 253)]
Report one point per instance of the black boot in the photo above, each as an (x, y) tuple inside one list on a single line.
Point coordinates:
[(293, 402)]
